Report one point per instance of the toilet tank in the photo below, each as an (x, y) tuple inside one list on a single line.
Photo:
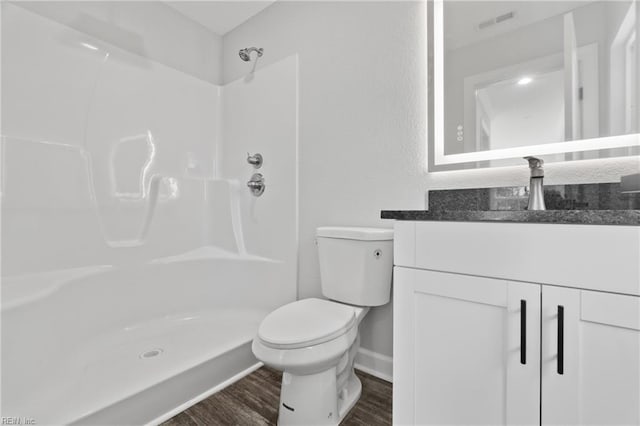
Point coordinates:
[(356, 264)]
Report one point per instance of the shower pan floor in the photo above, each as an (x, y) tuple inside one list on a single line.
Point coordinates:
[(117, 365)]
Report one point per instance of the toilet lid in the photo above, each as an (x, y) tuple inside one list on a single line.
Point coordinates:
[(305, 323)]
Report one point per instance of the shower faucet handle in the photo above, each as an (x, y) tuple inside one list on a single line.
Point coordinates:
[(256, 184), (255, 160)]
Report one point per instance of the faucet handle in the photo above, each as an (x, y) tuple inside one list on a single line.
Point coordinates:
[(535, 164), (256, 184), (255, 160)]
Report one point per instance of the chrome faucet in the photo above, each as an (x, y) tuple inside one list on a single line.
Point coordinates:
[(536, 188)]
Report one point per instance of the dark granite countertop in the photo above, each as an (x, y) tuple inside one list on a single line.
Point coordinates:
[(584, 217), (586, 204)]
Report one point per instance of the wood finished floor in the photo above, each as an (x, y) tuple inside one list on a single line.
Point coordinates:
[(254, 401)]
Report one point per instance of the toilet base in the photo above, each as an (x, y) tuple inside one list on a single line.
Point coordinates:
[(349, 396), (315, 399)]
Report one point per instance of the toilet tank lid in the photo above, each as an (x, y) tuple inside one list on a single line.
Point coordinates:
[(355, 233)]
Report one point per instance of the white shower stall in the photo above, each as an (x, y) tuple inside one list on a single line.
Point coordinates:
[(136, 263)]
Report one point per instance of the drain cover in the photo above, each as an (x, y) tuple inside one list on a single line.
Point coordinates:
[(151, 353)]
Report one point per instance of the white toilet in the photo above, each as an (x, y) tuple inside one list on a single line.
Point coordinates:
[(313, 341)]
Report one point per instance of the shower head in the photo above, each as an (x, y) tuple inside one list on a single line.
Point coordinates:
[(245, 54)]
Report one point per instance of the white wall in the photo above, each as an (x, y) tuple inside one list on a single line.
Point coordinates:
[(362, 122), (169, 38)]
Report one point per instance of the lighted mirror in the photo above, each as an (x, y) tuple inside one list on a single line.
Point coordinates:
[(557, 79)]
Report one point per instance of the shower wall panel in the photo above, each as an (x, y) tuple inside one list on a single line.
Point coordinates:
[(101, 149), (260, 115)]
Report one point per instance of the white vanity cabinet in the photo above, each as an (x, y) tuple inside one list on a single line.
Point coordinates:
[(600, 342), (458, 357), (475, 343)]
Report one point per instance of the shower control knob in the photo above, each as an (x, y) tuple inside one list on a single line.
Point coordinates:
[(255, 160), (256, 184)]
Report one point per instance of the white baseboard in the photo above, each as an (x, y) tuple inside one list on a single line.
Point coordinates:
[(378, 365)]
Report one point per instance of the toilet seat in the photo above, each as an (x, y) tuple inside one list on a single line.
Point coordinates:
[(305, 323)]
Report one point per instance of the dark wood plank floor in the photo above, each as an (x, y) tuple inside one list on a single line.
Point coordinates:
[(254, 401)]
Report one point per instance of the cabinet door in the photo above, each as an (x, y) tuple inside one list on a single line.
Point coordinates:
[(590, 357), (466, 350)]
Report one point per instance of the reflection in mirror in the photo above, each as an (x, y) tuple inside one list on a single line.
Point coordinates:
[(517, 111), (512, 76)]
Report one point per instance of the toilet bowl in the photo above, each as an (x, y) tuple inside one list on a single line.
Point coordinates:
[(313, 341)]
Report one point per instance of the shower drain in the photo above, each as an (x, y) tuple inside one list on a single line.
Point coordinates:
[(151, 353)]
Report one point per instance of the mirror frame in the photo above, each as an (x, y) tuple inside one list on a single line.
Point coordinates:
[(435, 16)]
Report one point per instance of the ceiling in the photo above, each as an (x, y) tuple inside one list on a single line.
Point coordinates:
[(220, 16)]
